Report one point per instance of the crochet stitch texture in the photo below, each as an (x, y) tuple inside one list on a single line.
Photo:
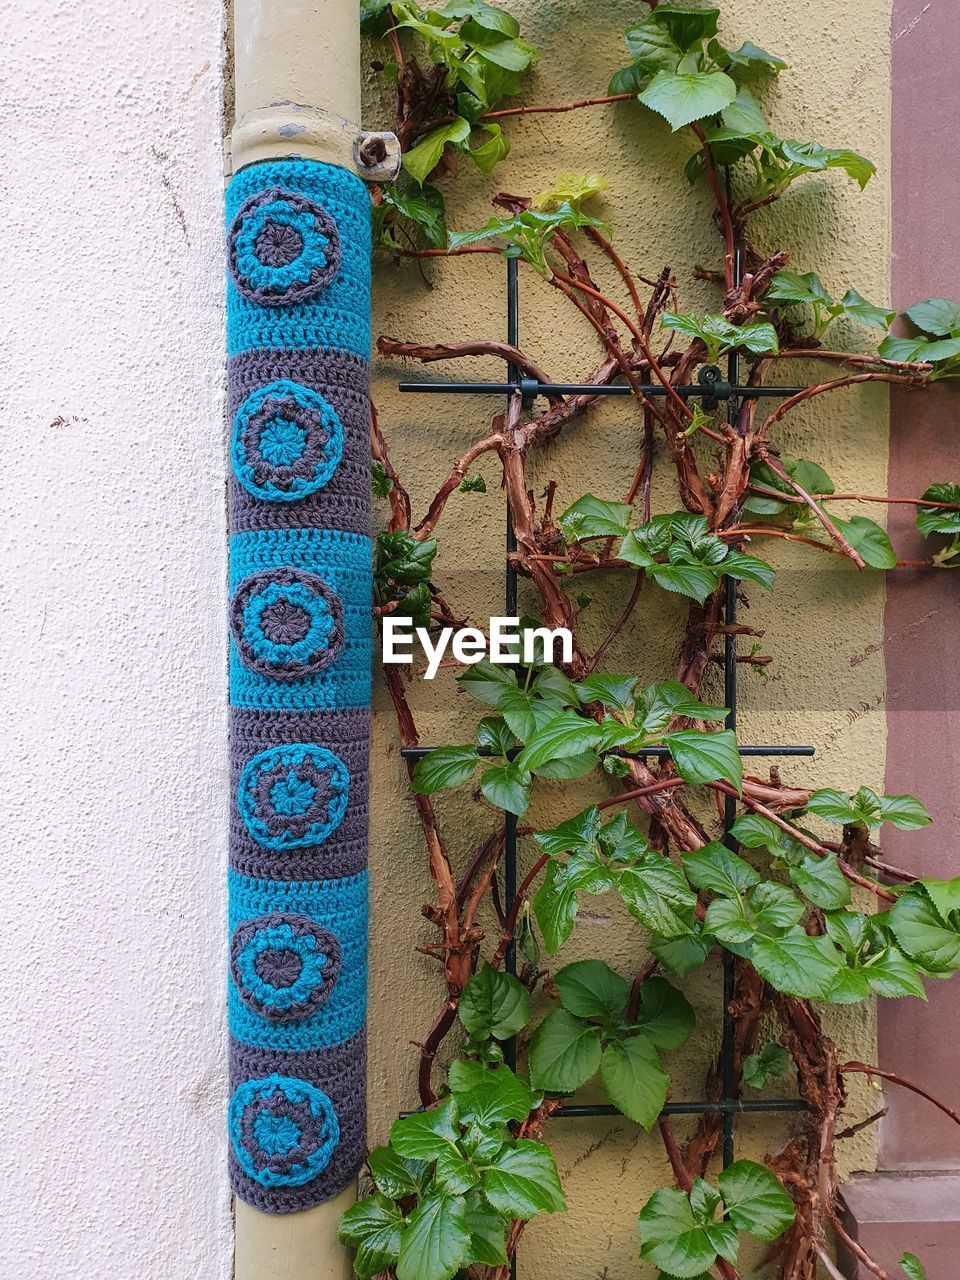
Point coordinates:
[(298, 335)]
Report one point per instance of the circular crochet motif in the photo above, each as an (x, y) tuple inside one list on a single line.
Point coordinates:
[(283, 1130), (287, 442), (283, 248), (284, 965), (287, 623), (293, 797)]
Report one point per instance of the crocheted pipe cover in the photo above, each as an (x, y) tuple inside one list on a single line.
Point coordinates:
[(298, 334)]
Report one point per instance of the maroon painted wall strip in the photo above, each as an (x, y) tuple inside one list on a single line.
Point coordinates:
[(922, 617)]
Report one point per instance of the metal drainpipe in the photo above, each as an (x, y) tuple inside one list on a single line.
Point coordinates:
[(298, 347)]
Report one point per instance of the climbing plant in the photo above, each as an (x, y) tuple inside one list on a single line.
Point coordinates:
[(799, 893)]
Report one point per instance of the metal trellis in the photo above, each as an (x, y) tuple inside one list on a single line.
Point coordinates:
[(710, 388)]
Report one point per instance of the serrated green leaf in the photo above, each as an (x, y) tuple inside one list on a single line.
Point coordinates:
[(681, 956), (936, 519), (905, 812), (704, 757), (493, 734), (693, 580), (796, 964), (612, 691), (665, 1016), (727, 920), (498, 1096), (714, 867), (444, 767), (821, 882), (591, 989), (869, 540), (591, 517), (832, 805), (421, 160), (487, 681), (687, 25), (892, 975), (394, 1175), (754, 1199), (506, 787), (672, 1239), (938, 316), (555, 907), (523, 1181), (657, 894), (372, 1227), (912, 1267), (771, 1062), (684, 97), (567, 734), (423, 1135), (488, 1231), (922, 932), (857, 306), (635, 1082), (564, 1053), (435, 1242), (453, 1173), (494, 1004), (485, 157)]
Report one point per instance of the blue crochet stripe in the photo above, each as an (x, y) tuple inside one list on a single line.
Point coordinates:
[(343, 560), (340, 316), (337, 905)]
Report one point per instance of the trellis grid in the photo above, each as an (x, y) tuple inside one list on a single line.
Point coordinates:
[(709, 388)]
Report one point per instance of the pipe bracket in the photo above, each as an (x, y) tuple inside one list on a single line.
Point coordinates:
[(286, 129)]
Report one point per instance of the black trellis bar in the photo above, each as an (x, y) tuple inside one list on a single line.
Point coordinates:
[(711, 388)]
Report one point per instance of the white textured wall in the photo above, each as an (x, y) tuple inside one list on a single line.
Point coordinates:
[(113, 566)]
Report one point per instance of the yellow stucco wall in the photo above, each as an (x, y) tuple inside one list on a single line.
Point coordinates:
[(826, 685)]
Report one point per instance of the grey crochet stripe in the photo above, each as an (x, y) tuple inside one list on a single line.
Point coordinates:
[(344, 852), (342, 1070), (343, 380)]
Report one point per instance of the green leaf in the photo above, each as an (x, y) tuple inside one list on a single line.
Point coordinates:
[(728, 922), (493, 734), (423, 1135), (454, 1174), (613, 691), (567, 734), (512, 55), (488, 1232), (380, 482), (499, 1096), (905, 812), (657, 894), (591, 989), (528, 231), (923, 933), (792, 287), (749, 569), (867, 538), (497, 147), (395, 1176), (821, 882), (672, 1239), (892, 976), (936, 519), (754, 1199), (750, 55), (494, 1004), (402, 558), (484, 15), (576, 835), (919, 349), (555, 906), (796, 964), (757, 832), (938, 316), (652, 48), (693, 580), (744, 116), (595, 517), (684, 97), (864, 311), (832, 805), (704, 757), (771, 1062), (523, 1181), (372, 1227), (665, 1016), (564, 1053), (715, 867), (506, 787), (635, 1082), (661, 702), (444, 767), (421, 160), (681, 955), (913, 1267), (435, 1243), (687, 26), (572, 189), (487, 681)]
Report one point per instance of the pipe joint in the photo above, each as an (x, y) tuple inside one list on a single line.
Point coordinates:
[(287, 129)]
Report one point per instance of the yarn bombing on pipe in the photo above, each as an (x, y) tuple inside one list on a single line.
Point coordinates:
[(298, 336)]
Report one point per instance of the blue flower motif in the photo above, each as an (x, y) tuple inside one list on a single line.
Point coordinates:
[(285, 966), (267, 812), (287, 442), (283, 248), (287, 623), (283, 1130)]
